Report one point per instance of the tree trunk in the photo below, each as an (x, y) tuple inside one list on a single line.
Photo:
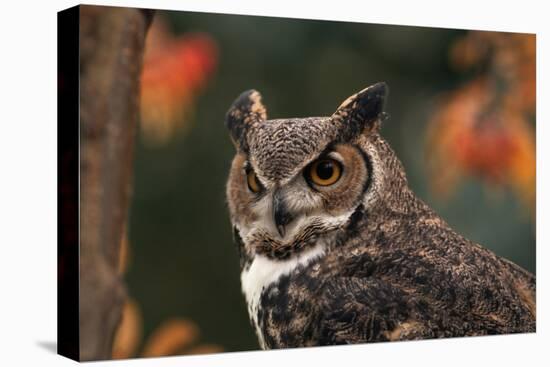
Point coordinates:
[(111, 51)]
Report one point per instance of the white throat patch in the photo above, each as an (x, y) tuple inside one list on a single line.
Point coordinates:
[(264, 271)]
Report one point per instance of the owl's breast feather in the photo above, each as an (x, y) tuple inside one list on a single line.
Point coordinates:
[(264, 272)]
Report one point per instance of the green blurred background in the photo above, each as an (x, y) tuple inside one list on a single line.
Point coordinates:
[(183, 262)]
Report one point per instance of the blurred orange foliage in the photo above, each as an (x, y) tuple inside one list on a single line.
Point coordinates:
[(176, 336), (486, 128), (129, 332), (175, 70)]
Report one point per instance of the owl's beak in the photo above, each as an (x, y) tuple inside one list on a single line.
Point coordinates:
[(281, 215)]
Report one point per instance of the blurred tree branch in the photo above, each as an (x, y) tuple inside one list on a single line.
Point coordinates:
[(111, 51)]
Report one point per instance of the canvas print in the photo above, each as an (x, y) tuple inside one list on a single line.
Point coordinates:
[(236, 183)]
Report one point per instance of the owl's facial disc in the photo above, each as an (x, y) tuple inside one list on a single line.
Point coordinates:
[(287, 189), (280, 217)]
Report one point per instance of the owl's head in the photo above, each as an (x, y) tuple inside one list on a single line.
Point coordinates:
[(297, 181)]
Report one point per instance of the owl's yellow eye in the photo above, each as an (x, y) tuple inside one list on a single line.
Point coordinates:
[(253, 184), (324, 172)]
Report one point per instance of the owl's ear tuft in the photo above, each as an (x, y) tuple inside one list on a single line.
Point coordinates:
[(364, 110), (246, 111)]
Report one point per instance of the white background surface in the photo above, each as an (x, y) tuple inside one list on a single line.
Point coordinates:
[(28, 181)]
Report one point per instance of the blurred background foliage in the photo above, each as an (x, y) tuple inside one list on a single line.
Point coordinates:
[(461, 106)]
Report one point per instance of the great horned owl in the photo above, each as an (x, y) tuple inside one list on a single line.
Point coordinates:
[(335, 248)]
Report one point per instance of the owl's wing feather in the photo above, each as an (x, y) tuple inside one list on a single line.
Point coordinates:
[(357, 310), (419, 298)]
